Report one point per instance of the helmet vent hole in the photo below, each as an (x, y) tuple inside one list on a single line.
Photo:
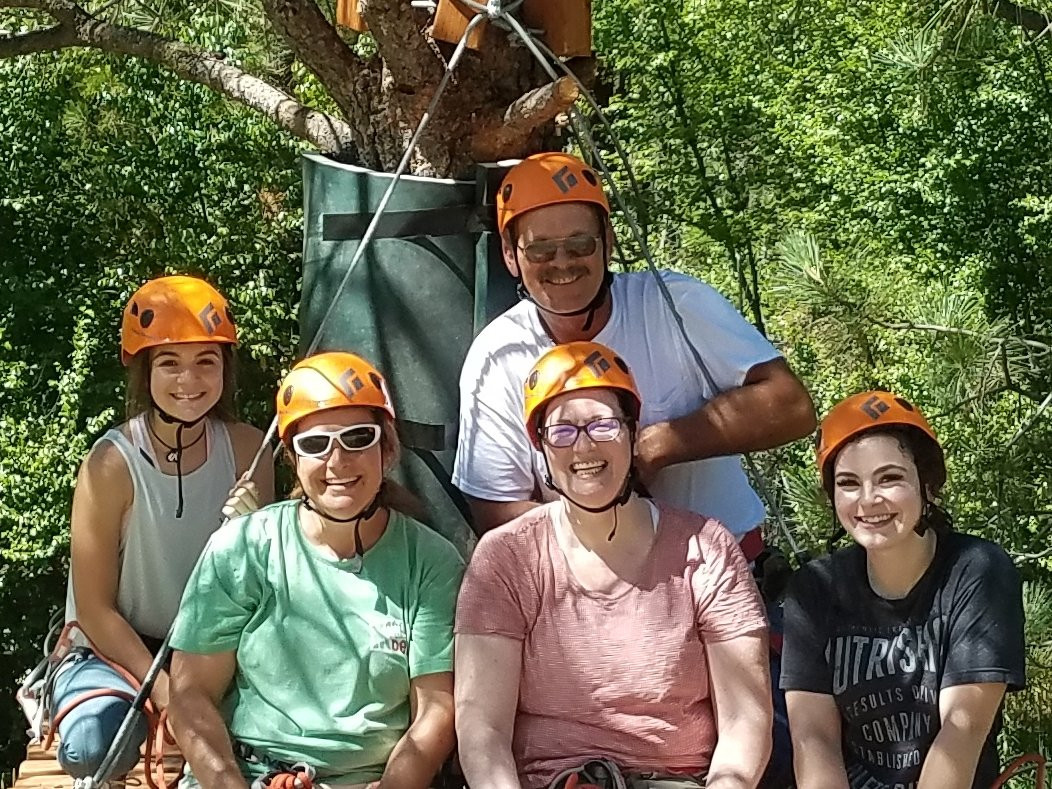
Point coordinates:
[(146, 318), (287, 397)]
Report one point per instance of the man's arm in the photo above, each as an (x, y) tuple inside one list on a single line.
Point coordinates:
[(770, 408), (814, 722), (740, 678), (419, 754), (199, 683), (966, 713), (487, 694), (486, 515)]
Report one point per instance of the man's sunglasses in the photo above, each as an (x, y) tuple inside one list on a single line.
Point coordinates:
[(544, 251), (561, 435), (318, 443)]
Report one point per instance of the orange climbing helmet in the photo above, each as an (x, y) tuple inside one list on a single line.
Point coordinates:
[(333, 379), (547, 179), (571, 367), (172, 310), (868, 411)]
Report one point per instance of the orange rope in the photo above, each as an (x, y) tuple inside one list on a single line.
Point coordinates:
[(1017, 766), (156, 724)]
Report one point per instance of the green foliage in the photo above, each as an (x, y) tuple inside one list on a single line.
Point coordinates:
[(869, 181)]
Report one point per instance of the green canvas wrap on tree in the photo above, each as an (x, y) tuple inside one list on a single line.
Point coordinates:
[(429, 280)]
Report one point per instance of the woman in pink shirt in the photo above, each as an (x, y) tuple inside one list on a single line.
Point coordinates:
[(603, 639)]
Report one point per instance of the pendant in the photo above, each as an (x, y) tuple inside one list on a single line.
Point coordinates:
[(172, 456)]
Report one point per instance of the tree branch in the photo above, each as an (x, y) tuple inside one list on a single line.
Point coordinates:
[(408, 56), (522, 118), (81, 29), (1019, 15), (47, 40), (317, 45)]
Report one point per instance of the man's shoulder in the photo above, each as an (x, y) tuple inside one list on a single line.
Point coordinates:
[(650, 284), (508, 338)]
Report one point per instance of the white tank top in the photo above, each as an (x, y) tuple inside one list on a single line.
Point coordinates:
[(157, 550)]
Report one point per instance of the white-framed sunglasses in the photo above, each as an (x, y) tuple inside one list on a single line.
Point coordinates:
[(318, 443)]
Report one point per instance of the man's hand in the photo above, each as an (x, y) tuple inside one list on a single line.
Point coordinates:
[(647, 461)]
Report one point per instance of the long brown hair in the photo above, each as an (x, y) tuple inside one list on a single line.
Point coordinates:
[(393, 495), (137, 394)]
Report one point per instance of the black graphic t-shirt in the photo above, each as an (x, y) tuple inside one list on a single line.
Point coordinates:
[(885, 661)]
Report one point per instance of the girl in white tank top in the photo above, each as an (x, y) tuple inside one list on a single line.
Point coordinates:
[(148, 496)]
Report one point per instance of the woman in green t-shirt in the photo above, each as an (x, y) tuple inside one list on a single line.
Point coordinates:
[(315, 636)]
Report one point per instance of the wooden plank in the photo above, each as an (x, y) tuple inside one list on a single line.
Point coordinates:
[(567, 25), (41, 770), (451, 20), (348, 14)]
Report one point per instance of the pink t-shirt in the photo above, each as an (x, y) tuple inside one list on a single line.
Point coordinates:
[(621, 676)]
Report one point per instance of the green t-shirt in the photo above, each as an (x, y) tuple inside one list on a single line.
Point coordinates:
[(324, 655)]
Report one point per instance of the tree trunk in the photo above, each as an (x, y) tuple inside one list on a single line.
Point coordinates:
[(499, 104)]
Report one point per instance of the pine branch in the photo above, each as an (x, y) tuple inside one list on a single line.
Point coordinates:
[(315, 43), (77, 28), (47, 40)]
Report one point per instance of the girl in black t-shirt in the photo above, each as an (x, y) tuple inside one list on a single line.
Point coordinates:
[(898, 649)]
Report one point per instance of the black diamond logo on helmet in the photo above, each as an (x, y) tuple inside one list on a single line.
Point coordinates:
[(874, 407), (597, 363), (565, 180), (210, 319), (350, 383)]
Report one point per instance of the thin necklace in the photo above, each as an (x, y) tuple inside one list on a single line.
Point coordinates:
[(173, 452)]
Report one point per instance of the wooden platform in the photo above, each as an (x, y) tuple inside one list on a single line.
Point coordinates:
[(40, 770)]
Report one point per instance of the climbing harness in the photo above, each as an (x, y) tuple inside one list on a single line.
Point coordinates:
[(593, 774), (279, 775)]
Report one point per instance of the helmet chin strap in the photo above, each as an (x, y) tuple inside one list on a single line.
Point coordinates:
[(177, 451), (370, 509), (617, 501)]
